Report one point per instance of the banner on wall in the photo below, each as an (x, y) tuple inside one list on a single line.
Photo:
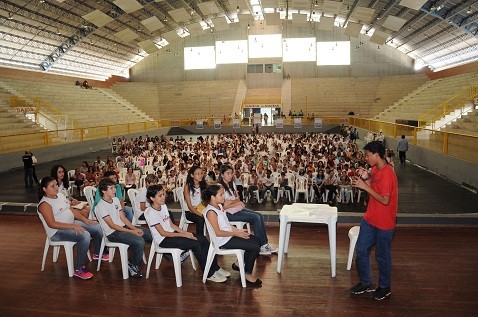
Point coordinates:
[(236, 123), (318, 123), (279, 123), (257, 105), (199, 124), (297, 123), (217, 123)]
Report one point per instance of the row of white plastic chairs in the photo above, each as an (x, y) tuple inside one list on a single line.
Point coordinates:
[(154, 250)]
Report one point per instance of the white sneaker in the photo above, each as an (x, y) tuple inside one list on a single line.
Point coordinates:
[(268, 249), (223, 272), (264, 250), (217, 278)]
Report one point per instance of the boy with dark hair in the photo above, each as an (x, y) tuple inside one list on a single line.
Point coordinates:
[(378, 224), (128, 211), (118, 228)]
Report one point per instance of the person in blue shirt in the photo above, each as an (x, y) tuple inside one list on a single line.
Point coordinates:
[(128, 211)]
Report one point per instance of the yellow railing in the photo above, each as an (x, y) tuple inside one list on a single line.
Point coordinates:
[(464, 147), (455, 102)]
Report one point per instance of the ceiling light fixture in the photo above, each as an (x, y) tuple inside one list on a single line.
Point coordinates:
[(58, 32), (469, 10), (10, 16)]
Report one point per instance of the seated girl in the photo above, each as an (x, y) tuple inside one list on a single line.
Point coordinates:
[(68, 224), (228, 236), (168, 235), (236, 211), (195, 184)]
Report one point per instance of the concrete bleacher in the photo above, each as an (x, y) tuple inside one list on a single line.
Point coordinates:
[(12, 122), (468, 124), (191, 99), (365, 96), (72, 101), (427, 96)]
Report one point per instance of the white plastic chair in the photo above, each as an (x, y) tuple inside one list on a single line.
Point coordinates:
[(123, 249), (71, 174), (133, 198), (213, 250), (176, 254), (301, 187), (353, 236), (67, 245), (291, 181), (90, 192), (179, 184), (183, 222)]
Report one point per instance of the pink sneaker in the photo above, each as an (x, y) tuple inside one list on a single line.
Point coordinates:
[(104, 257), (83, 273)]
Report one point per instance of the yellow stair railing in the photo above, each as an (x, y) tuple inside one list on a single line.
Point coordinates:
[(455, 102)]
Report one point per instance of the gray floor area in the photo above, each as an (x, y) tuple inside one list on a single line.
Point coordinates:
[(422, 195)]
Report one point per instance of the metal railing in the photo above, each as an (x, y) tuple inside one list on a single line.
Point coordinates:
[(461, 146)]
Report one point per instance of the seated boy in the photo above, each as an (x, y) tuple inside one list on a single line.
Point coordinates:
[(118, 228)]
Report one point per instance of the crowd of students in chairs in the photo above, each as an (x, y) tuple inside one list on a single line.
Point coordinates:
[(212, 177)]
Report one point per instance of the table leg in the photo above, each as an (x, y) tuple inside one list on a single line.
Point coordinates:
[(332, 244), (282, 239)]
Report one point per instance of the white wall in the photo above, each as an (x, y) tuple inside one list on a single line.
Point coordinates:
[(167, 65)]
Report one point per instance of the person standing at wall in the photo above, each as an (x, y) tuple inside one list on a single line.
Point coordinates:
[(378, 224), (28, 168), (402, 148)]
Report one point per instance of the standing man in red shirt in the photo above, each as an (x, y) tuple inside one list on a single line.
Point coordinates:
[(378, 224)]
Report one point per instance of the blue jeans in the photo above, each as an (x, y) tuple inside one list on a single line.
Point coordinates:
[(256, 220), (95, 232), (382, 239), (82, 243), (136, 243), (128, 212)]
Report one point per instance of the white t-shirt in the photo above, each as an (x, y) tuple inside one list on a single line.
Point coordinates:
[(161, 217), (61, 211), (105, 209), (141, 198), (223, 222)]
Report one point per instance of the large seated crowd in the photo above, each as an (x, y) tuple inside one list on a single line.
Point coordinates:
[(213, 177)]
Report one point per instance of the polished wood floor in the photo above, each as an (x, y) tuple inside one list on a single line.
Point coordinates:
[(435, 273)]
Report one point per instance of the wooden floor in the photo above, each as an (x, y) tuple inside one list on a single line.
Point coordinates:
[(435, 273)]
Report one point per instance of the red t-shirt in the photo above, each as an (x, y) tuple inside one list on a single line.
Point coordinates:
[(384, 182)]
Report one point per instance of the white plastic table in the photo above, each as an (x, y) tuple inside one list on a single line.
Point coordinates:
[(307, 213)]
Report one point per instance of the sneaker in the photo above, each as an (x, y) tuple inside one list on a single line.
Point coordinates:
[(269, 248), (223, 272), (217, 278), (83, 273), (381, 293), (134, 271), (361, 288), (104, 257), (266, 249), (184, 256)]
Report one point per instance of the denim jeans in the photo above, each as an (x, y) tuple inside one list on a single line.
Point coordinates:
[(128, 212), (256, 220), (382, 239), (95, 232), (200, 248), (82, 243), (251, 246), (136, 243)]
